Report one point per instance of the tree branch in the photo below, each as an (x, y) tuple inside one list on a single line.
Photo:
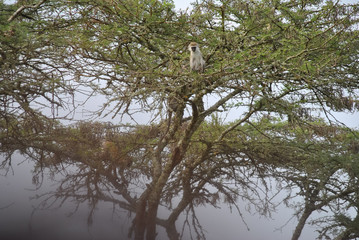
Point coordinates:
[(22, 8)]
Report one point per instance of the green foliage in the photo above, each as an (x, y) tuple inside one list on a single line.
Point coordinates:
[(278, 66), (30, 75)]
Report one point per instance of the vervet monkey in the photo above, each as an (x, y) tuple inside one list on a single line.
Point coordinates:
[(196, 61)]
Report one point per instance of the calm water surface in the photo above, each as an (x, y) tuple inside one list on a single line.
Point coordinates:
[(24, 216)]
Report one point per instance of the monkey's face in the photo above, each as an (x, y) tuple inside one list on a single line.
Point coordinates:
[(193, 47)]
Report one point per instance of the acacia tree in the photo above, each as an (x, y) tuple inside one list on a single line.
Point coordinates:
[(275, 66), (33, 84)]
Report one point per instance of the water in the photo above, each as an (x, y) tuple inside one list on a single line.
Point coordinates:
[(25, 215)]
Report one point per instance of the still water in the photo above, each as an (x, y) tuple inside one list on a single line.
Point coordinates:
[(29, 212)]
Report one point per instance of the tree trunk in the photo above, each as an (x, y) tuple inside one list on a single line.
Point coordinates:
[(172, 231), (140, 219), (153, 203), (298, 230)]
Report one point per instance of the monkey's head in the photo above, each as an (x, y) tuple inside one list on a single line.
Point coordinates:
[(193, 46)]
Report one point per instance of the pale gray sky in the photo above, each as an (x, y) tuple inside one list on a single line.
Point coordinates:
[(183, 4)]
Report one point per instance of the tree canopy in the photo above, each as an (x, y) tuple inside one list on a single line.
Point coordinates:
[(280, 71)]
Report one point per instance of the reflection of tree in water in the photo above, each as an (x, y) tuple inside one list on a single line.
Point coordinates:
[(115, 164), (115, 167)]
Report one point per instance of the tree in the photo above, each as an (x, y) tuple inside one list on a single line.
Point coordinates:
[(278, 66), (32, 79)]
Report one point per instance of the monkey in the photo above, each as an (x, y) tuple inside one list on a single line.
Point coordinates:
[(196, 60)]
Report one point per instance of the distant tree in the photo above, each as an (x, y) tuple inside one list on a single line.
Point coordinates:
[(280, 69)]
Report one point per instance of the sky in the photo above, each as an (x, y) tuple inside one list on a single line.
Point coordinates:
[(182, 4)]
